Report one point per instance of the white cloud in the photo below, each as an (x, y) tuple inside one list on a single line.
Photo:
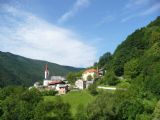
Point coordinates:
[(152, 9), (132, 4), (128, 18), (35, 38), (75, 8), (105, 19)]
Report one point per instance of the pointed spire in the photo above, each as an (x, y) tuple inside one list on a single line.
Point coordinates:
[(46, 72), (46, 67)]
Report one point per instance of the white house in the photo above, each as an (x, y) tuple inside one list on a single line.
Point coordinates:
[(62, 89), (88, 83), (89, 72), (47, 82), (80, 84), (36, 84)]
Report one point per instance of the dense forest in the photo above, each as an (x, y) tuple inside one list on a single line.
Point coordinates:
[(17, 70), (19, 103), (135, 66), (137, 56)]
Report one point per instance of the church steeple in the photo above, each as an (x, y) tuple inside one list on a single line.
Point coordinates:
[(46, 72)]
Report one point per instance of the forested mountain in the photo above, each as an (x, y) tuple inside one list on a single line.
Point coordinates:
[(134, 65), (140, 47), (17, 70), (139, 53)]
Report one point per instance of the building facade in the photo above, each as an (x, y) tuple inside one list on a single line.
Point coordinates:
[(90, 72), (81, 84)]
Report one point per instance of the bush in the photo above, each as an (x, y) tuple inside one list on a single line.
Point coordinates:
[(92, 89), (49, 93), (111, 79)]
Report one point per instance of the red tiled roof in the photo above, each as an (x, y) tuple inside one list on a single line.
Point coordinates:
[(55, 82), (90, 71)]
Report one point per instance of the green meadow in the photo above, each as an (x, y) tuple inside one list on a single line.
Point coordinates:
[(74, 98)]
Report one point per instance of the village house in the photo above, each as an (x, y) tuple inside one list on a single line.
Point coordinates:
[(88, 78), (57, 78), (57, 83), (62, 89), (88, 83), (81, 84), (90, 72), (36, 84)]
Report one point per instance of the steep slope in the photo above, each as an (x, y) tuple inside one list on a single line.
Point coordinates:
[(138, 46), (17, 70), (138, 55), (135, 66)]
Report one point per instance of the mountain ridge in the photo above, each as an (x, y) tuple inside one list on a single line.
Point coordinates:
[(19, 70)]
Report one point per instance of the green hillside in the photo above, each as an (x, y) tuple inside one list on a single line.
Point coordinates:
[(17, 70), (74, 98), (135, 64), (140, 48), (142, 45)]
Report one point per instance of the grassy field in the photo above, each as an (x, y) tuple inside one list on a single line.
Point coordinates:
[(74, 98)]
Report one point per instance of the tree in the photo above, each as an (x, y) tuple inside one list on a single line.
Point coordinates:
[(89, 78), (131, 68), (29, 105), (93, 89), (102, 108), (110, 78), (81, 113), (73, 76), (32, 96), (152, 83), (16, 109), (105, 59), (43, 111), (156, 114), (61, 110), (129, 109), (143, 116)]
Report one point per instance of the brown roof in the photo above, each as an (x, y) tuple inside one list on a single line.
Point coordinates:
[(55, 82), (90, 71)]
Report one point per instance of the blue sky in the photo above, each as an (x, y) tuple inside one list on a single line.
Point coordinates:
[(70, 32)]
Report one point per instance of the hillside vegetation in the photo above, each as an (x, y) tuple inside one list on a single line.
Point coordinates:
[(75, 99), (17, 70), (19, 103), (138, 55), (136, 62)]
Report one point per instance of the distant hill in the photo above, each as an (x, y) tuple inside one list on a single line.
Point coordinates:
[(17, 70)]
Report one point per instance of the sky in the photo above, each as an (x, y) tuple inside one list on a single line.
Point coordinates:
[(71, 32)]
